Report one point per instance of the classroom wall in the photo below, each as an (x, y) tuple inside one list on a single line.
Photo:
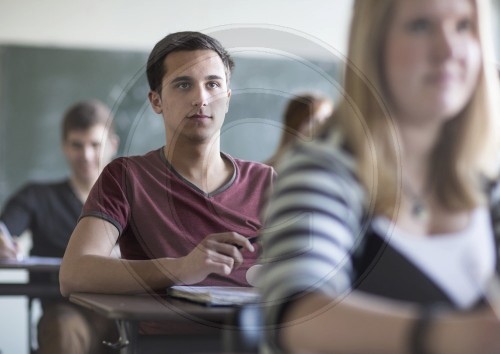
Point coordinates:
[(260, 86), (83, 35), (131, 24)]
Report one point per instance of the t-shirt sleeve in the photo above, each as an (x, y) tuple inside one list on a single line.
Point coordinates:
[(108, 198)]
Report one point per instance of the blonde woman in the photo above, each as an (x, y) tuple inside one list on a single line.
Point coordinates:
[(381, 235)]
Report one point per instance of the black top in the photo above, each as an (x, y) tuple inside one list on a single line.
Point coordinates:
[(381, 270), (49, 210)]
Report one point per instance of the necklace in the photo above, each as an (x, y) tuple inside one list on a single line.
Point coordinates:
[(418, 207)]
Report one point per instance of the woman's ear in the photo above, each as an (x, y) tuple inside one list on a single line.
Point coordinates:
[(155, 101)]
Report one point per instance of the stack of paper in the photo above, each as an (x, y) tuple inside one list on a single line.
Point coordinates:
[(215, 295)]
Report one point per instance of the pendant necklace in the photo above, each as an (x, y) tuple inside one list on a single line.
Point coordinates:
[(418, 207)]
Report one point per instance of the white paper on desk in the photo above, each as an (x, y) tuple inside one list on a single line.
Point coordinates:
[(42, 260), (33, 260), (216, 295)]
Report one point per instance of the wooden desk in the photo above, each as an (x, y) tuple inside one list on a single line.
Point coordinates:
[(31, 264), (129, 310), (36, 264)]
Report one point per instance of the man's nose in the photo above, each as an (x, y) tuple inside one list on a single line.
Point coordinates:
[(88, 153), (200, 97)]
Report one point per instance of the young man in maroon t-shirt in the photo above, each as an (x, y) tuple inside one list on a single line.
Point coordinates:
[(184, 213)]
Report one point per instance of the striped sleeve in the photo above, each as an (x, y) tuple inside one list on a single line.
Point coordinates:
[(313, 224)]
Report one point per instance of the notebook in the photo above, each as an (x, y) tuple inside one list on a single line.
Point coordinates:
[(215, 295)]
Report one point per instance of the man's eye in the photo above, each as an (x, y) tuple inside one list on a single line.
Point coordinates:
[(213, 84), (183, 85)]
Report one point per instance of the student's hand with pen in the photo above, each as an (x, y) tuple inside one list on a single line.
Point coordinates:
[(9, 249), (218, 253)]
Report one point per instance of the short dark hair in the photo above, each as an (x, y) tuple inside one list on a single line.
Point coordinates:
[(182, 41), (85, 115)]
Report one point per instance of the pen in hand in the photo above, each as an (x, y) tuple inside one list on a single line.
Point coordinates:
[(5, 231), (252, 241)]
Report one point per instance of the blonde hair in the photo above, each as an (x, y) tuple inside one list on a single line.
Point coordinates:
[(467, 150)]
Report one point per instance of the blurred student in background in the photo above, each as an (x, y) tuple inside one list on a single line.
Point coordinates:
[(394, 210), (303, 115), (50, 211)]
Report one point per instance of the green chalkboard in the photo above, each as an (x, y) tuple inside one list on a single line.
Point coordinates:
[(37, 84)]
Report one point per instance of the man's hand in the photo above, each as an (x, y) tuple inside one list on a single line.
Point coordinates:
[(8, 248), (217, 253)]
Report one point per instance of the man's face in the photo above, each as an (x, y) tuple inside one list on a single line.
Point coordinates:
[(88, 151), (194, 97)]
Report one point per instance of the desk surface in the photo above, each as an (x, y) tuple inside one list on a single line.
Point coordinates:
[(210, 329), (36, 264), (150, 308), (32, 264)]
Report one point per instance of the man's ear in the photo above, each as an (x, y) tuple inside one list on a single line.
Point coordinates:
[(155, 101), (228, 99), (114, 141)]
